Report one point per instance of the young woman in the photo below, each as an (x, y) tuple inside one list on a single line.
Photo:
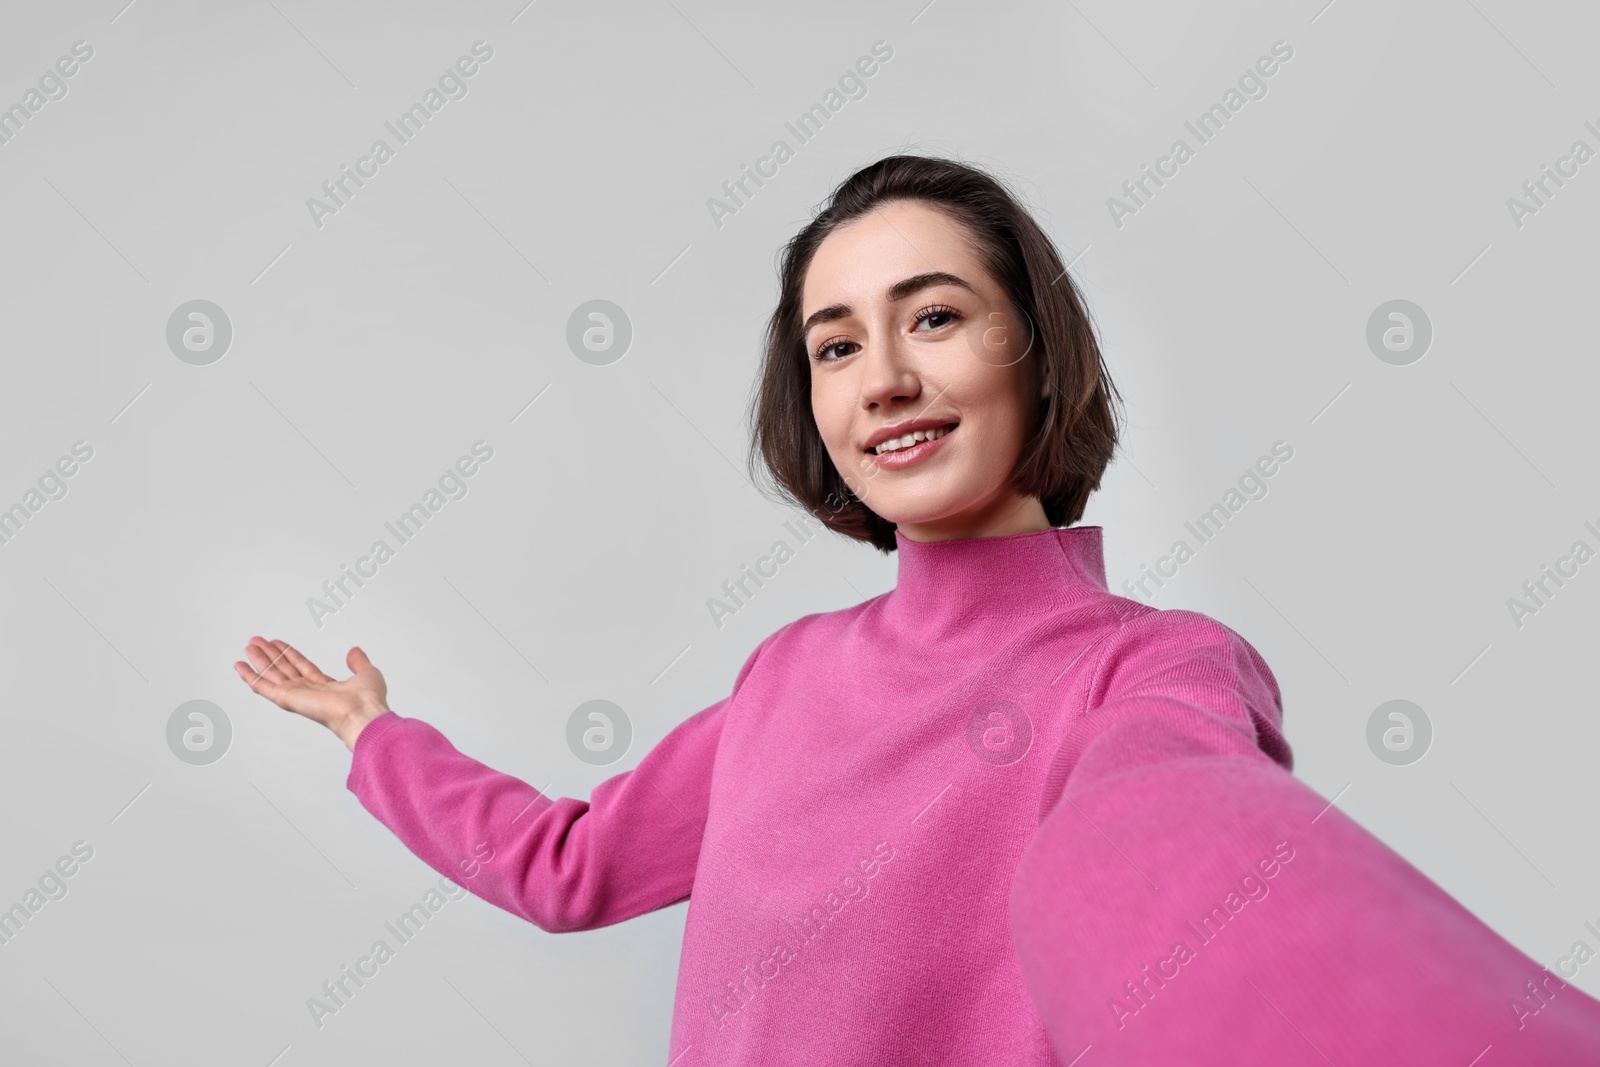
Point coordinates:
[(997, 814)]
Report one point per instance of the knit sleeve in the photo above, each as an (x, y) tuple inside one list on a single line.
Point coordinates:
[(1185, 899), (560, 863)]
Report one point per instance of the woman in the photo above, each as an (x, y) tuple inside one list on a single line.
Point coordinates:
[(998, 814)]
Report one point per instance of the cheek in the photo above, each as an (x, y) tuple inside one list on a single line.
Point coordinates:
[(994, 345), (1020, 390), (1000, 430), (999, 342), (834, 426), (829, 423)]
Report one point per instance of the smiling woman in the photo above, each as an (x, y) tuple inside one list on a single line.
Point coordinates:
[(1069, 782), (912, 316), (939, 356)]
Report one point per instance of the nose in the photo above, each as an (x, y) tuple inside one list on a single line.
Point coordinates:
[(888, 375)]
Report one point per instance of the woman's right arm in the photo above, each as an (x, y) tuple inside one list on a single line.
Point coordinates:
[(1186, 899), (562, 864)]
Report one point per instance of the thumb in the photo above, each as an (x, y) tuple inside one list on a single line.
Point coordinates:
[(357, 661)]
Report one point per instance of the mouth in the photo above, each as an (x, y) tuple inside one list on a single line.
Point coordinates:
[(912, 448), (911, 440)]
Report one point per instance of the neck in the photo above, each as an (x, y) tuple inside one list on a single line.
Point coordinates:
[(1017, 515)]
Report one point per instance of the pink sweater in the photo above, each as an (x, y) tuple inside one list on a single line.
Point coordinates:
[(997, 815)]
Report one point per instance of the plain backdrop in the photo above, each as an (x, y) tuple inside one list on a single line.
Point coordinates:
[(373, 346)]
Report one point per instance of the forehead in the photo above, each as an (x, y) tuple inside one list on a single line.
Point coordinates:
[(859, 260)]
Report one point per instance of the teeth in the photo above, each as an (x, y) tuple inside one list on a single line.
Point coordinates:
[(911, 438)]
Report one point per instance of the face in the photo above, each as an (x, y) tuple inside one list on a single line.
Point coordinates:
[(906, 331)]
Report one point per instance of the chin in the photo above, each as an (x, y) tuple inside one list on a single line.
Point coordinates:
[(915, 513)]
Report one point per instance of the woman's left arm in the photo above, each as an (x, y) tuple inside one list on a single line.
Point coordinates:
[(1188, 900)]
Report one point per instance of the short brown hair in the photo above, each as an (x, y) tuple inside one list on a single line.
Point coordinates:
[(1075, 430)]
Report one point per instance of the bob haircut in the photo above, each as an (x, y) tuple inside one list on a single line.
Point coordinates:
[(1074, 430)]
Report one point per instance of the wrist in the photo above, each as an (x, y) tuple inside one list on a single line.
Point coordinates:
[(357, 720)]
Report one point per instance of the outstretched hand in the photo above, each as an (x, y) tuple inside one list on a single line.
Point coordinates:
[(282, 675)]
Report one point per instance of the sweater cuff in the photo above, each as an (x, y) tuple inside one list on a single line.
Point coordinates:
[(370, 738)]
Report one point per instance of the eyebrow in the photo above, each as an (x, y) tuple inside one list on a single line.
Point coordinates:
[(898, 291)]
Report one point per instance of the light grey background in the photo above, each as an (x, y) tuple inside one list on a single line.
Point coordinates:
[(370, 353)]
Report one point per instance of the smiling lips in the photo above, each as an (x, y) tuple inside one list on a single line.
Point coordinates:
[(895, 444), (906, 433), (897, 453)]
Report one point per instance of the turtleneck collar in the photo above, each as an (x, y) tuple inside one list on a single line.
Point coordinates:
[(943, 585)]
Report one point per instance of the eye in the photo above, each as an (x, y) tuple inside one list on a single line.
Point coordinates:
[(937, 311), (827, 346), (940, 315)]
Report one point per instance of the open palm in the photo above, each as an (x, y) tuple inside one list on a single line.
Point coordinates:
[(281, 674)]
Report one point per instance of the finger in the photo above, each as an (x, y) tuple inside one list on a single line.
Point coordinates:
[(263, 657), (256, 682), (275, 656), (292, 697), (302, 666), (357, 661), (283, 661), (265, 660)]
